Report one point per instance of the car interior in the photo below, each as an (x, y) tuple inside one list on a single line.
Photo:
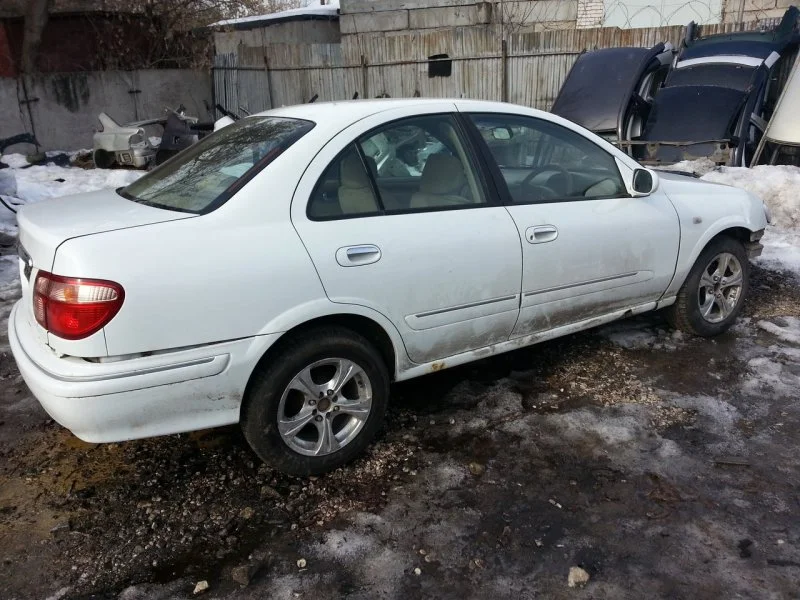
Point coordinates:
[(544, 162), (422, 164)]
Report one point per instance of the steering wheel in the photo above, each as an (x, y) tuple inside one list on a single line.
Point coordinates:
[(550, 167)]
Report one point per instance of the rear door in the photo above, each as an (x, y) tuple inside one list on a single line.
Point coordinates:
[(397, 217), (588, 247)]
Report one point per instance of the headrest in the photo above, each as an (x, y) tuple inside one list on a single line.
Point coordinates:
[(443, 174), (352, 171)]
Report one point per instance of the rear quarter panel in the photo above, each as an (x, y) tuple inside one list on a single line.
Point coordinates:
[(220, 276)]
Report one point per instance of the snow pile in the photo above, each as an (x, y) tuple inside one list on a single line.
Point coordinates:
[(789, 331), (8, 183), (777, 186), (781, 250), (37, 183), (701, 166)]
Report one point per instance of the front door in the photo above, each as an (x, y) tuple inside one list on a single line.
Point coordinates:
[(397, 217), (589, 248)]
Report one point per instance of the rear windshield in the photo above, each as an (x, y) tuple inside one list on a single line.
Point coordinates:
[(205, 175)]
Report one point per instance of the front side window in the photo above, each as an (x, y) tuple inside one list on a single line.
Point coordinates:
[(204, 175), (544, 162)]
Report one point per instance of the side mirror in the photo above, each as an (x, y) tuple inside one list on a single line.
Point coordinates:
[(502, 133), (644, 183)]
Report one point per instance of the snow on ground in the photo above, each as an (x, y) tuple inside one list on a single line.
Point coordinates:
[(781, 250), (778, 187), (23, 183), (36, 183)]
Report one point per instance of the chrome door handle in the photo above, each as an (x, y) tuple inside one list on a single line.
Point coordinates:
[(541, 234), (353, 256)]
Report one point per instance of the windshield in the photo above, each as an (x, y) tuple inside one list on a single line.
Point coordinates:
[(205, 175)]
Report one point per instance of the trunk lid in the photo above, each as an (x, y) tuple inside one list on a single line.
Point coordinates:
[(44, 226)]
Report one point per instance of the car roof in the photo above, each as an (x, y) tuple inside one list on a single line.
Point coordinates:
[(351, 111)]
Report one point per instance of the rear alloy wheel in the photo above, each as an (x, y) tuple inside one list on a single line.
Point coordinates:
[(714, 292), (319, 404), (324, 407)]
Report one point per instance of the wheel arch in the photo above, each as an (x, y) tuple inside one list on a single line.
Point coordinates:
[(390, 348), (730, 227)]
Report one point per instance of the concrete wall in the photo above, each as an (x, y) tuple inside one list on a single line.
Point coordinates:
[(289, 32), (756, 10), (648, 13), (367, 16), (360, 16), (66, 105)]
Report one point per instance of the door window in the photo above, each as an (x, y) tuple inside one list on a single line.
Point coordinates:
[(545, 162), (422, 163), (414, 164), (344, 190)]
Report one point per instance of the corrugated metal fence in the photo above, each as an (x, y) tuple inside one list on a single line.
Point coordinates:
[(528, 68)]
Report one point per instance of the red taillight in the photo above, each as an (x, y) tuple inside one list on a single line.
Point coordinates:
[(74, 308)]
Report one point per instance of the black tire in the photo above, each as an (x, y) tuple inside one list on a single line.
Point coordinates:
[(259, 414), (103, 159), (685, 314)]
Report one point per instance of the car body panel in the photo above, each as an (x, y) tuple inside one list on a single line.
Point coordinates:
[(207, 296), (607, 88), (781, 141), (466, 299), (598, 263), (706, 209), (43, 226)]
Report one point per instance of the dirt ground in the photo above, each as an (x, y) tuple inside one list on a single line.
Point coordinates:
[(664, 466)]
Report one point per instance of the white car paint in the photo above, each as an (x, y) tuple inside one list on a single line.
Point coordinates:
[(784, 128), (206, 296)]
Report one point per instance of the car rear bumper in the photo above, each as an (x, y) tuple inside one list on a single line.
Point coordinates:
[(160, 394)]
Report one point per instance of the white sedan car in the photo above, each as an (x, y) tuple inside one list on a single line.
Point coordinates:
[(284, 270)]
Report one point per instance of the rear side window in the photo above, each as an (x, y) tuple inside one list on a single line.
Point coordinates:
[(344, 189), (411, 165), (205, 175)]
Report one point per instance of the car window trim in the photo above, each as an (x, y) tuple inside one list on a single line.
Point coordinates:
[(373, 183), (497, 175), (490, 191)]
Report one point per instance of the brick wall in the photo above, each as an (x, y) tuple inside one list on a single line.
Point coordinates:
[(590, 13)]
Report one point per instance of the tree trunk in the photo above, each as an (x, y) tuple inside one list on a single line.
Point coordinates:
[(35, 21)]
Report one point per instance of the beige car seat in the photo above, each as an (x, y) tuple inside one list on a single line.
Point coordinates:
[(603, 188), (355, 191), (442, 183)]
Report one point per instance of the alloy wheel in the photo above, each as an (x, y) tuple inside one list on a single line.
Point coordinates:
[(720, 287), (324, 407)]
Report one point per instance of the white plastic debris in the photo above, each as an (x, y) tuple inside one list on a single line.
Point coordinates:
[(577, 577)]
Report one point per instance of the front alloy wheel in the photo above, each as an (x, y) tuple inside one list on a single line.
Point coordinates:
[(714, 292), (720, 287)]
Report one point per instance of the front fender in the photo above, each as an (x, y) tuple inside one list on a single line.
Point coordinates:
[(689, 252)]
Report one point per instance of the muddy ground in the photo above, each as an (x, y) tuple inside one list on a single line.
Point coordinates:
[(663, 465)]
